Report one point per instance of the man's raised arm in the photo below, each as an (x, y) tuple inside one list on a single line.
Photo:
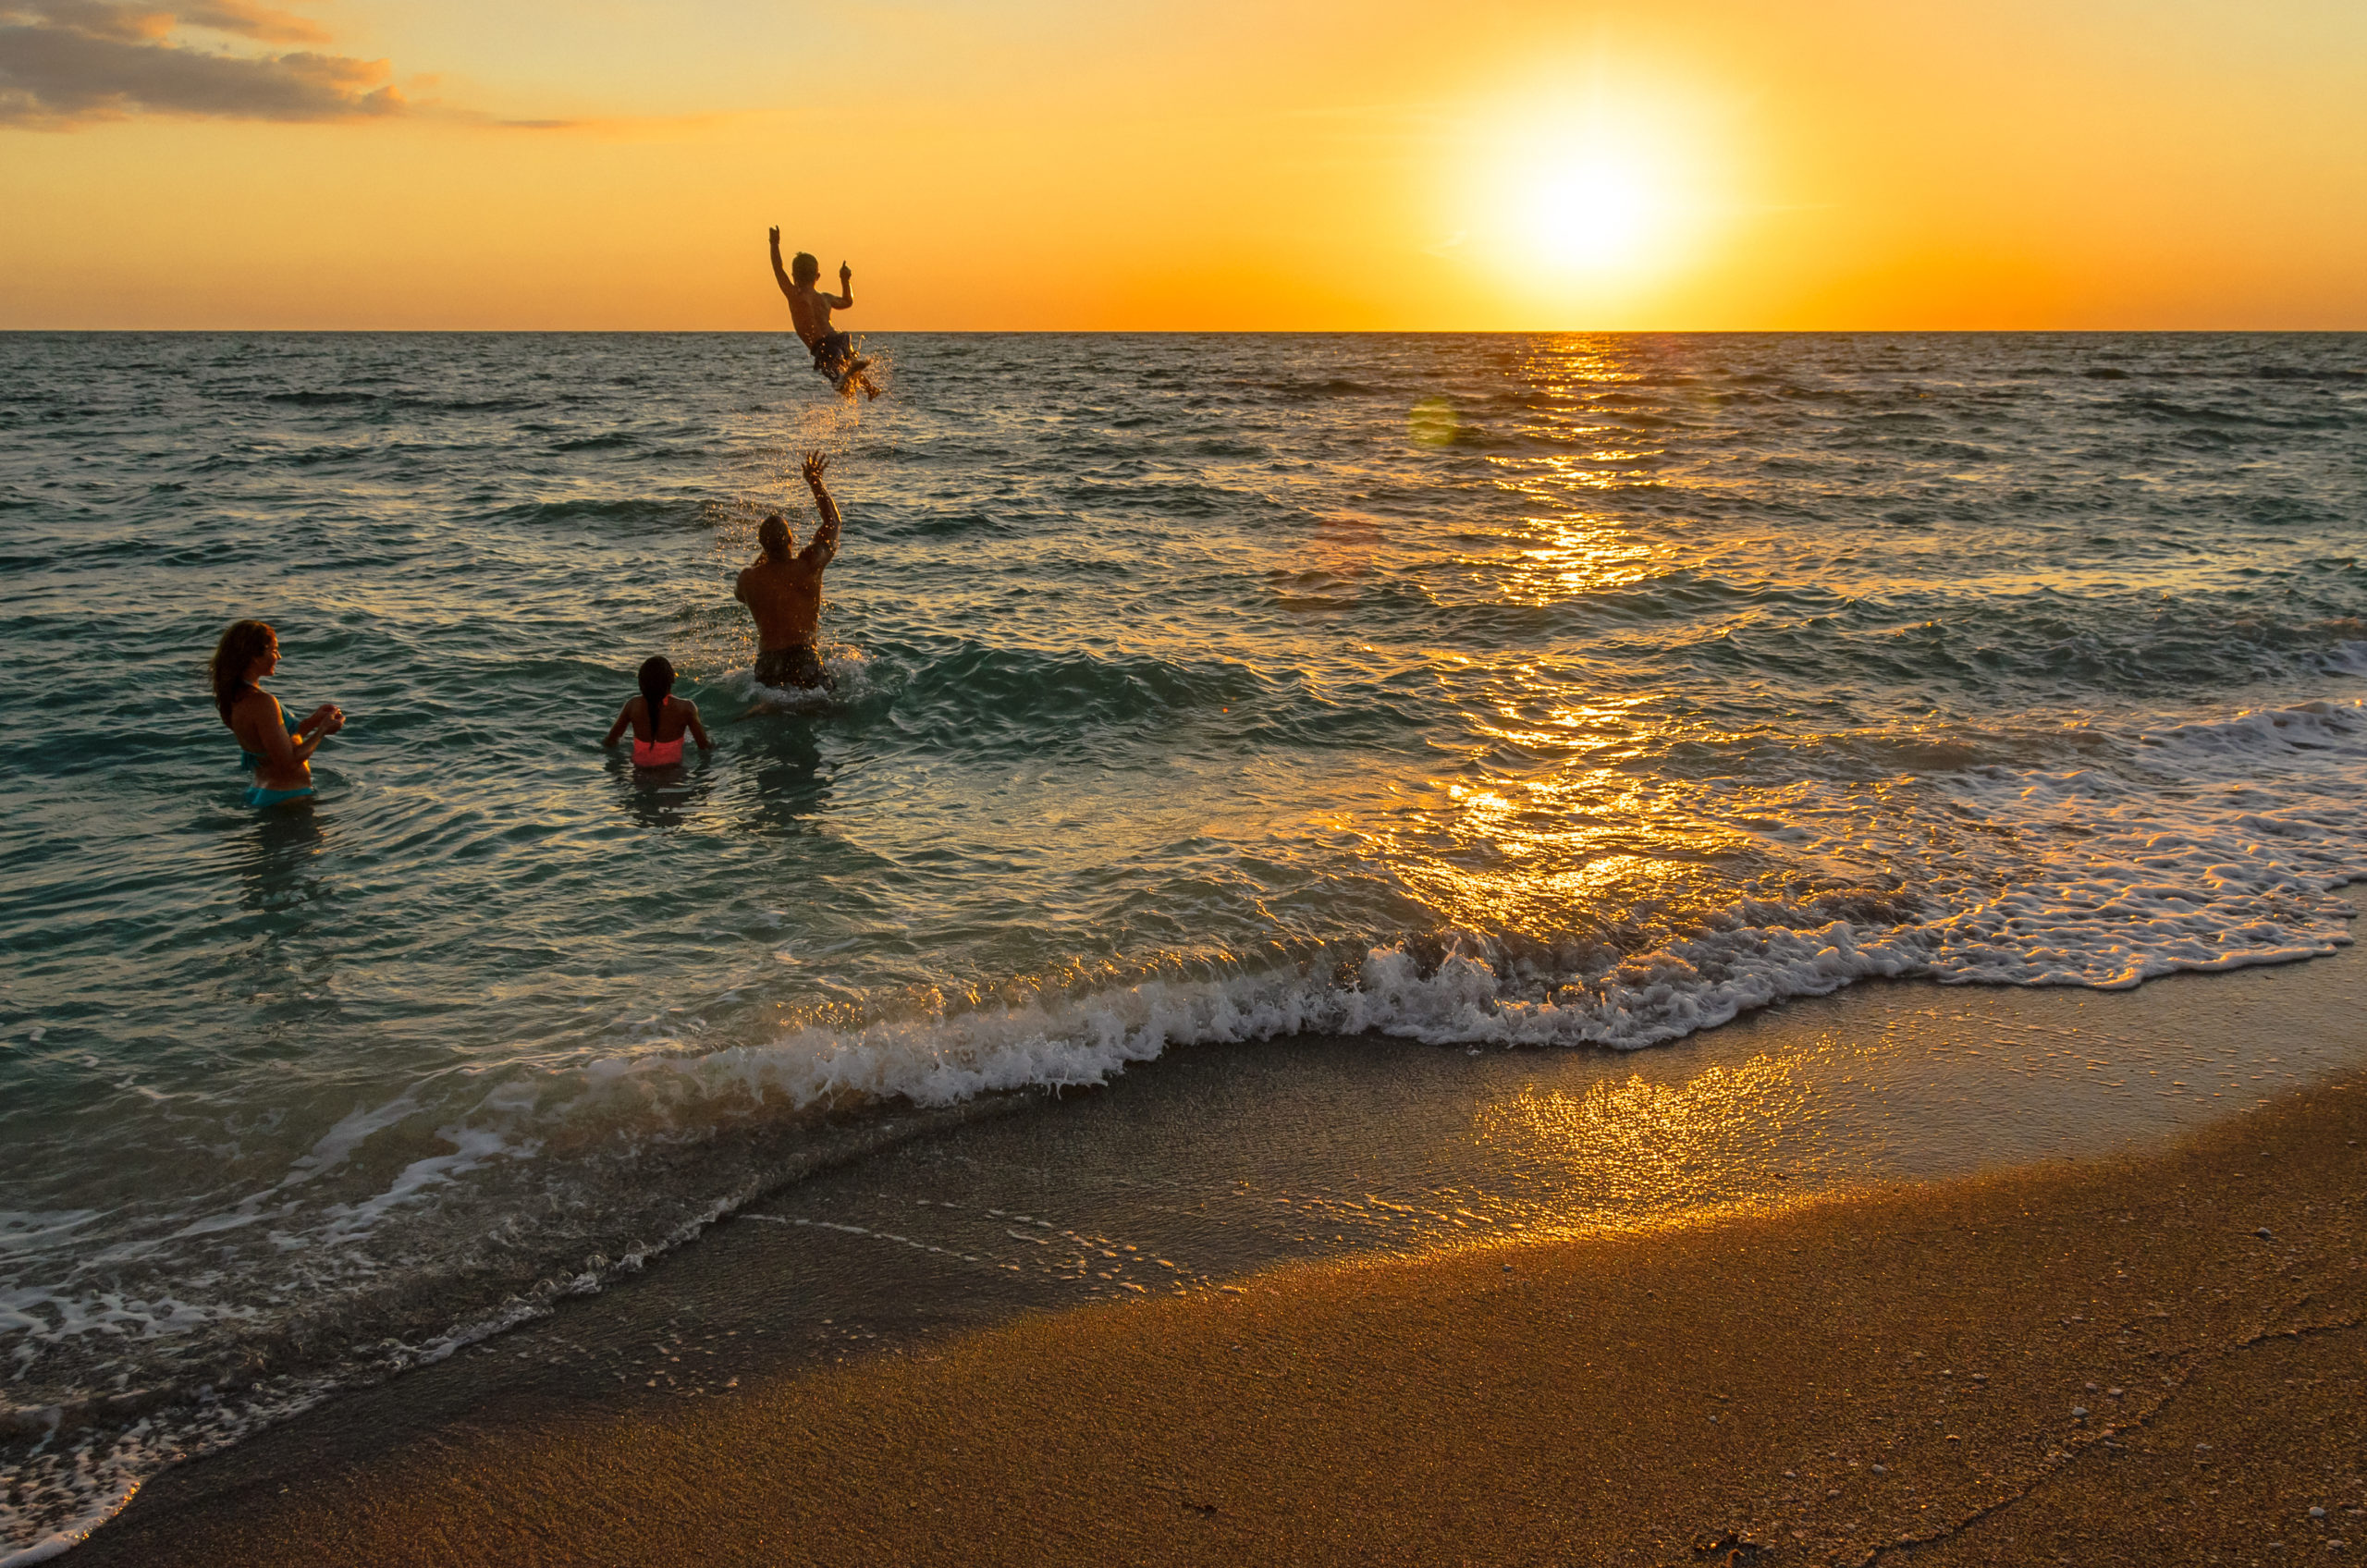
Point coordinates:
[(845, 301), (825, 542), (780, 274)]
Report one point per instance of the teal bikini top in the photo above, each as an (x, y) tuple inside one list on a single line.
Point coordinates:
[(248, 761)]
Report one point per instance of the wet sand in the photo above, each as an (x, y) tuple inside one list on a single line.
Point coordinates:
[(1861, 1372)]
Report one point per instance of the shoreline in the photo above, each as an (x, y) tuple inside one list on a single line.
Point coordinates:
[(781, 1323)]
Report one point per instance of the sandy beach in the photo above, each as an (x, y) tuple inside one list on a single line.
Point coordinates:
[(2152, 1355)]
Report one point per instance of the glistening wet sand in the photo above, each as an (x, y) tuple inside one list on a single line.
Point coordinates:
[(1615, 1398)]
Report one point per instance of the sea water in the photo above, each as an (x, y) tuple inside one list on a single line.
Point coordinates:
[(1502, 691)]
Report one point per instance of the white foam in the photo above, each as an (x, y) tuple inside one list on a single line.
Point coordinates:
[(340, 1142), (68, 1492), (22, 1230), (848, 665), (471, 1147)]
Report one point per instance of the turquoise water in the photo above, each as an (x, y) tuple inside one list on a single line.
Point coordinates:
[(1494, 690)]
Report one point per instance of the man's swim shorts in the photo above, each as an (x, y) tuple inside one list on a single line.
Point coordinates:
[(798, 666)]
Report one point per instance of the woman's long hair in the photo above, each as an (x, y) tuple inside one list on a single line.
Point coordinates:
[(657, 679), (240, 646)]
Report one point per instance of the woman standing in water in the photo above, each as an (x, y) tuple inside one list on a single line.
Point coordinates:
[(658, 720), (274, 748)]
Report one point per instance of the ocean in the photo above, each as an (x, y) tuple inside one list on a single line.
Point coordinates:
[(1495, 692)]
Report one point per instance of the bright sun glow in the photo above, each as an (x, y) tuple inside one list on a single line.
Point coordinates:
[(1590, 190), (1592, 213)]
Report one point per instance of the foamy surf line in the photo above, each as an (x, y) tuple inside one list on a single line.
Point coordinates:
[(2123, 892), (2225, 848), (86, 1483), (88, 1462)]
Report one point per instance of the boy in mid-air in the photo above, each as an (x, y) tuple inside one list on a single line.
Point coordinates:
[(810, 308)]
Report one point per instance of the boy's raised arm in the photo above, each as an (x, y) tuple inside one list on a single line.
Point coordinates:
[(780, 274)]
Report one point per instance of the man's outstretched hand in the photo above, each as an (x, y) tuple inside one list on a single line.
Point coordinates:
[(817, 465), (775, 233), (846, 275)]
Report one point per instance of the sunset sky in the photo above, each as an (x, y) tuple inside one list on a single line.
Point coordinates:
[(1052, 163)]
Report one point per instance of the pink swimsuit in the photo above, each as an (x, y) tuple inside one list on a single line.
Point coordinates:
[(658, 753)]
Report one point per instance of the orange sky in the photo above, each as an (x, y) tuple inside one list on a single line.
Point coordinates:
[(1048, 165)]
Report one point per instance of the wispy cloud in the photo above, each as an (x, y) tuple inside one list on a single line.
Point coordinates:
[(248, 21), (65, 63)]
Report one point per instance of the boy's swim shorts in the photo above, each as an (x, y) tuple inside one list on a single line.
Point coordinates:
[(832, 355)]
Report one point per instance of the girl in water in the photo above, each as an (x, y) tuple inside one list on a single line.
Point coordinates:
[(274, 748), (658, 720)]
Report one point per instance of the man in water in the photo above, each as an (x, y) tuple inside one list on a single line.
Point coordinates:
[(784, 592), (810, 308)]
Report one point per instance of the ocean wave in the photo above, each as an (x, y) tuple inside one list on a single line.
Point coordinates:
[(2107, 884), (1308, 391), (675, 511), (977, 691), (2308, 373)]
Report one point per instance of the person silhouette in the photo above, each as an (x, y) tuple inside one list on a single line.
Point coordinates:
[(784, 592), (809, 309), (274, 748), (657, 720)]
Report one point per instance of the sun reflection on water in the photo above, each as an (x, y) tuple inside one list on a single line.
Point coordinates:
[(1536, 854), (1637, 1153), (1574, 557)]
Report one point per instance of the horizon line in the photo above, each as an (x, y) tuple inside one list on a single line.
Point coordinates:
[(1217, 332)]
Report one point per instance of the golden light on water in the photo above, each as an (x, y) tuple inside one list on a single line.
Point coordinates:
[(1635, 1151), (1540, 819), (1578, 556)]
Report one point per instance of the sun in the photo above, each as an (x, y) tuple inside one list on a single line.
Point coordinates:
[(1594, 214), (1592, 187)]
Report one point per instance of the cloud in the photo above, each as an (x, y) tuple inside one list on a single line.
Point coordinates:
[(253, 21), (99, 18), (67, 62)]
